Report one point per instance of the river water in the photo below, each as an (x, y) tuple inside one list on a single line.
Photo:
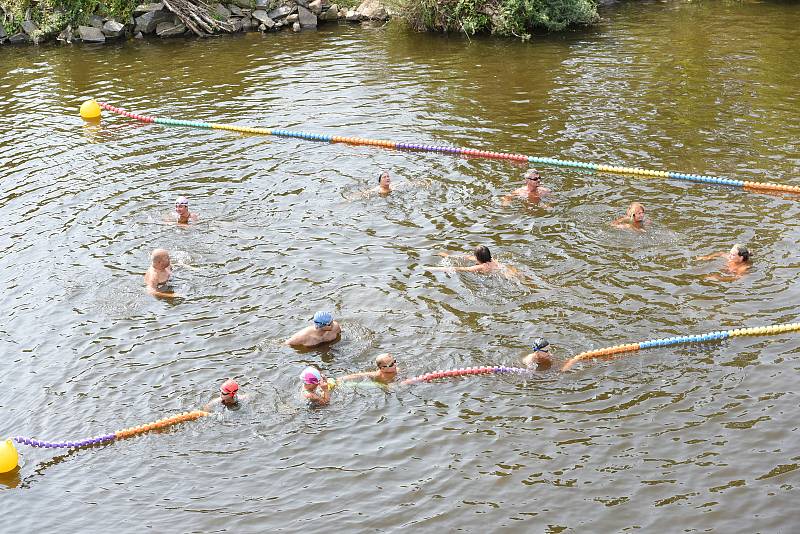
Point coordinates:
[(692, 438)]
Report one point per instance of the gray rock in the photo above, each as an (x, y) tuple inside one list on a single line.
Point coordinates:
[(244, 4), (296, 27), (138, 35), (315, 7), (147, 23), (19, 38), (96, 22), (331, 14), (248, 24), (147, 8), (352, 16), (306, 18), (29, 27), (90, 34), (372, 10), (222, 12), (236, 24), (291, 19), (66, 34), (262, 4), (279, 12), (170, 29), (113, 29), (235, 10), (2, 33), (261, 16), (303, 3)]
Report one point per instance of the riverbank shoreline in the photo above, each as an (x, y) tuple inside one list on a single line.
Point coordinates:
[(183, 18)]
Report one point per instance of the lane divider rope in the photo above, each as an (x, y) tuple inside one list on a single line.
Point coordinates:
[(619, 169), (679, 340)]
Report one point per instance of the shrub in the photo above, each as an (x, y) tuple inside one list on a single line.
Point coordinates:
[(501, 17)]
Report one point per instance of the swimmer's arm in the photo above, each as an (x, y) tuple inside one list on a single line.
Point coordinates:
[(153, 290), (622, 222), (356, 376), (297, 339), (470, 257), (711, 256), (207, 407)]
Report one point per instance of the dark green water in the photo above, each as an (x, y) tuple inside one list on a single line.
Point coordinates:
[(694, 438)]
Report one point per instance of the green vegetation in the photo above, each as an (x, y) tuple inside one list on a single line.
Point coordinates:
[(52, 16), (499, 17)]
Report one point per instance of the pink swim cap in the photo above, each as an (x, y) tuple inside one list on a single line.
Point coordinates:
[(230, 387), (311, 375)]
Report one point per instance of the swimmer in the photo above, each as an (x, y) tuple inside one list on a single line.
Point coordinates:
[(325, 330), (634, 218), (387, 370), (316, 388), (485, 263), (182, 214), (540, 357), (737, 263), (384, 184), (156, 279), (227, 396), (532, 190)]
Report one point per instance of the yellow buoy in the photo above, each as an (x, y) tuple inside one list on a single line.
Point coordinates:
[(9, 459), (90, 110)]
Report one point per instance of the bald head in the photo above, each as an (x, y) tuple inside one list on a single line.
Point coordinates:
[(159, 258)]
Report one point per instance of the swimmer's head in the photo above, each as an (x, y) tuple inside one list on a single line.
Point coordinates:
[(311, 376), (386, 363), (540, 344), (482, 254), (322, 319), (739, 253), (181, 204), (533, 175), (160, 258), (228, 390), (384, 180), (636, 212)]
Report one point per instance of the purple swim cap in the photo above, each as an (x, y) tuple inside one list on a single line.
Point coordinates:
[(311, 375)]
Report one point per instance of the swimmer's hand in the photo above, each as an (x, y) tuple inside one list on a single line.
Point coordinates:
[(443, 254)]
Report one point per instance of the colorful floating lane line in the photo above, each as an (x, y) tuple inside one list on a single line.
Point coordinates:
[(755, 186), (428, 377), (120, 434), (679, 340)]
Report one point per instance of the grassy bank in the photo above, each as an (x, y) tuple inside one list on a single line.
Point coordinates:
[(52, 16), (499, 17)]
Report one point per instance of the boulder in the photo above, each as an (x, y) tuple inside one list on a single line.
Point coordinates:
[(147, 8), (244, 4), (315, 7), (280, 12), (29, 27), (147, 23), (90, 34), (262, 4), (2, 33), (235, 10), (170, 29), (222, 12), (248, 24), (372, 10), (19, 38), (113, 29), (261, 16), (138, 35), (66, 34), (352, 16), (291, 19), (331, 14), (96, 22), (296, 27), (236, 24), (306, 18)]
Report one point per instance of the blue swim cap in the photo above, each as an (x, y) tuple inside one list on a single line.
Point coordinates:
[(322, 318), (540, 343)]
